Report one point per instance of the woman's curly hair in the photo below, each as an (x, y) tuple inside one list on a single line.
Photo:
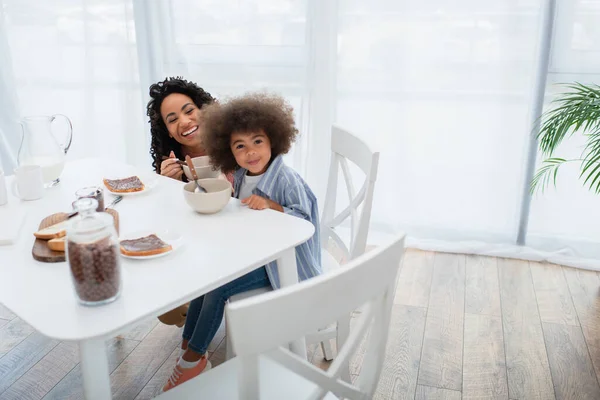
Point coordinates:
[(249, 113), (162, 144)]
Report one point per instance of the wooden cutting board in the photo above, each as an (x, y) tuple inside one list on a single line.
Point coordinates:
[(40, 250)]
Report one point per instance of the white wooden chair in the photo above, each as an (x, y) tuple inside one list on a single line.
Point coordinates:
[(262, 326), (344, 147)]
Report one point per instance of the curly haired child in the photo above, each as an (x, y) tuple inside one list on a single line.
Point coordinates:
[(248, 136)]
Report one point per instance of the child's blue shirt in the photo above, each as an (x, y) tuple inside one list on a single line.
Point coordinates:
[(284, 186)]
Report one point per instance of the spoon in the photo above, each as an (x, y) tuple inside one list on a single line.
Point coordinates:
[(176, 160), (192, 168), (114, 202)]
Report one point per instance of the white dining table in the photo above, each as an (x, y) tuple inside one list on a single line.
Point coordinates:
[(215, 249)]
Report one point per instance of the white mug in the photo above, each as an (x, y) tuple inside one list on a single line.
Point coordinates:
[(3, 195), (28, 183)]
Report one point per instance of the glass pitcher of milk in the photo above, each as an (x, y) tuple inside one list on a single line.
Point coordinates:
[(40, 146)]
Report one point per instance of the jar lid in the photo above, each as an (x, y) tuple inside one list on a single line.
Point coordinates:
[(85, 204), (89, 191), (89, 222)]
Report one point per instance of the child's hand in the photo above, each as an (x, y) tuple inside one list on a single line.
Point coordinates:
[(256, 202)]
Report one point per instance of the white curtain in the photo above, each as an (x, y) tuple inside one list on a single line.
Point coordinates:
[(567, 220), (9, 109), (230, 47), (78, 58), (445, 92), (443, 89)]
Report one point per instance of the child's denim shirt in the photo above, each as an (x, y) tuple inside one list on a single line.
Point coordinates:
[(284, 186)]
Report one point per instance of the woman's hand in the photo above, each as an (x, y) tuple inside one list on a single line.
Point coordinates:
[(171, 168)]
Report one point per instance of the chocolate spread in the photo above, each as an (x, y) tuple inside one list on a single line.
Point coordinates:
[(150, 242), (132, 183)]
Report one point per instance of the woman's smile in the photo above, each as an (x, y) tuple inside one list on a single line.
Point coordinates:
[(190, 131)]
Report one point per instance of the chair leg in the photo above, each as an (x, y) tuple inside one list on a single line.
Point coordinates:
[(327, 350), (343, 331)]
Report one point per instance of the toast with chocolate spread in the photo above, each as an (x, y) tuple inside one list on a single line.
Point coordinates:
[(125, 185), (145, 246)]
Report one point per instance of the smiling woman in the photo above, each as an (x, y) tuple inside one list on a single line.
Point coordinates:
[(175, 124)]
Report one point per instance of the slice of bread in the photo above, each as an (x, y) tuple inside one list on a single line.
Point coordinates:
[(57, 244), (125, 185), (53, 231), (145, 246)]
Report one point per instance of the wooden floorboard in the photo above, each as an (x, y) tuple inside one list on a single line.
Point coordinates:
[(553, 295), (158, 380), (401, 365), (484, 364), (414, 279), (583, 286), (434, 393), (591, 334), (482, 293), (46, 374), (441, 360), (526, 359), (22, 357), (318, 358), (70, 387), (217, 357), (13, 333), (311, 348), (128, 380), (572, 371), (141, 330), (5, 313)]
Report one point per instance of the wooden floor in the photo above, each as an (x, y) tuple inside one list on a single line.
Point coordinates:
[(465, 327)]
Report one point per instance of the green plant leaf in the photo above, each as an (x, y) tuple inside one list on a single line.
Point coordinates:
[(578, 109), (591, 161), (595, 173), (547, 172)]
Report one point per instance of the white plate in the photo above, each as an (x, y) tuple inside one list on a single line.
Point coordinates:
[(171, 237), (149, 181)]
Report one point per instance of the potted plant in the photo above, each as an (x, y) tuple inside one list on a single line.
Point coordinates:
[(576, 111)]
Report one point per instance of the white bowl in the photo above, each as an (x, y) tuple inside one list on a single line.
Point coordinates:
[(203, 169), (219, 194)]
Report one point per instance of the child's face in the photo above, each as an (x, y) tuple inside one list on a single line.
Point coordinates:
[(252, 151)]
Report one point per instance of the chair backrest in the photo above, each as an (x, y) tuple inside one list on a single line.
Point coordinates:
[(347, 147), (261, 325)]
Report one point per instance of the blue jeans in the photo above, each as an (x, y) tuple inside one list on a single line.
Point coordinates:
[(205, 313)]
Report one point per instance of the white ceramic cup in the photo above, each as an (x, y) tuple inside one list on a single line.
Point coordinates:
[(3, 194), (28, 183)]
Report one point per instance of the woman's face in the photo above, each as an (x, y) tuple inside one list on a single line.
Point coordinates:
[(182, 119)]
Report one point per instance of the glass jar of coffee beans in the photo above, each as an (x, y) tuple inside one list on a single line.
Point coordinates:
[(93, 254)]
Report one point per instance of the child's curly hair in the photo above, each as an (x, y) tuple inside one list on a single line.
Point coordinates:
[(249, 113)]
